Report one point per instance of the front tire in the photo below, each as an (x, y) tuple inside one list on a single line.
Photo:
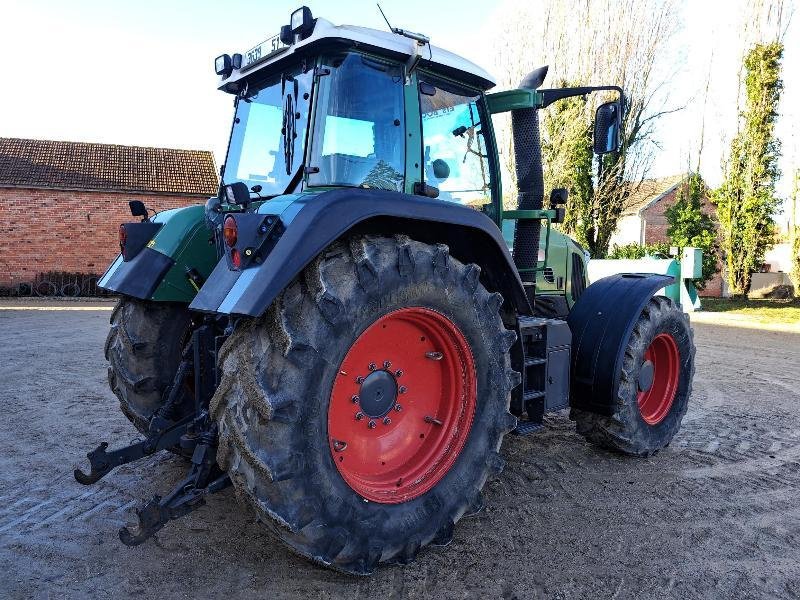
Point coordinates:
[(287, 398), (654, 386), (143, 350)]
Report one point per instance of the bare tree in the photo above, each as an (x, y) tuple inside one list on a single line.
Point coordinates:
[(623, 42)]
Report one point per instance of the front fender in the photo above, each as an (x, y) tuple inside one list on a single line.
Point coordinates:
[(314, 221), (601, 323), (159, 271)]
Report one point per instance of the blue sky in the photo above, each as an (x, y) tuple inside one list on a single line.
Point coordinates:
[(142, 72)]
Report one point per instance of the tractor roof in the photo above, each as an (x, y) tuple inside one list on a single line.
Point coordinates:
[(393, 45)]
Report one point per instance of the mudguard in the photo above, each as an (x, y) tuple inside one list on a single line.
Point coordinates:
[(160, 270), (314, 221), (601, 323)]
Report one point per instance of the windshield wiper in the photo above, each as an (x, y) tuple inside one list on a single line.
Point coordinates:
[(289, 128)]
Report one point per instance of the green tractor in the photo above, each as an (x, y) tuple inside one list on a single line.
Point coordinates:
[(344, 333)]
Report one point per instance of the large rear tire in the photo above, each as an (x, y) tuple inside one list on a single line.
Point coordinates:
[(307, 409), (654, 388), (143, 349)]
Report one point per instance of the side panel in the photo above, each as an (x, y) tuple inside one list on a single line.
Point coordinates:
[(601, 323), (159, 271), (322, 219)]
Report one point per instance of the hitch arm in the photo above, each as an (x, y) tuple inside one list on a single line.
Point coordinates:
[(185, 497), (102, 462), (157, 512)]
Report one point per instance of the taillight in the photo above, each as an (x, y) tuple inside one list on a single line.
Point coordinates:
[(123, 238), (236, 258), (230, 231)]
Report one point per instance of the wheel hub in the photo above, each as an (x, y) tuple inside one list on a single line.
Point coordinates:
[(658, 379), (378, 394), (646, 373), (402, 404)]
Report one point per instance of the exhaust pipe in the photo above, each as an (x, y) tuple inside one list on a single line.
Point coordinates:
[(530, 177)]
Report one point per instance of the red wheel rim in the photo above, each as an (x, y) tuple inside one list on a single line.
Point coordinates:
[(402, 405), (655, 402)]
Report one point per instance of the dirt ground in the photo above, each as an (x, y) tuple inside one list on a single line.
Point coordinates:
[(716, 515)]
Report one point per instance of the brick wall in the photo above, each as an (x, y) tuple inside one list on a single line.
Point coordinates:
[(54, 230), (655, 230)]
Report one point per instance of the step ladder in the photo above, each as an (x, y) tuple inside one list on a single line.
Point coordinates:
[(533, 334)]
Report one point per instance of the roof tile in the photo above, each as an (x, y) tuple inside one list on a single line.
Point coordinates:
[(648, 191), (80, 165)]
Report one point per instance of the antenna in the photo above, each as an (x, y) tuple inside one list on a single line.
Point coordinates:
[(418, 37), (389, 25)]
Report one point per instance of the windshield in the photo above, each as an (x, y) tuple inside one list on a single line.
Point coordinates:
[(269, 133), (359, 127)]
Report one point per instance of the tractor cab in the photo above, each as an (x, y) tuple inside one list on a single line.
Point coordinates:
[(322, 106)]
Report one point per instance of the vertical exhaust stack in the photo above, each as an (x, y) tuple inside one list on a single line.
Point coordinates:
[(530, 177)]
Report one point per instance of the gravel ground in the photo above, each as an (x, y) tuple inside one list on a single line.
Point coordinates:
[(715, 515)]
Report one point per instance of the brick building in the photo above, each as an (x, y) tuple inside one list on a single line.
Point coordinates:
[(643, 221), (61, 202)]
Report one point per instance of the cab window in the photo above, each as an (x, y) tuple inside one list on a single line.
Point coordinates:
[(359, 127), (454, 148)]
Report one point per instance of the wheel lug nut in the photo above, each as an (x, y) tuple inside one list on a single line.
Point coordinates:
[(372, 366), (387, 364), (398, 373), (402, 389), (371, 424), (355, 399), (359, 416), (387, 421), (359, 379), (398, 408)]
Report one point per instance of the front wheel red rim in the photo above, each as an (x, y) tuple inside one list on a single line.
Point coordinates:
[(662, 364), (402, 405)]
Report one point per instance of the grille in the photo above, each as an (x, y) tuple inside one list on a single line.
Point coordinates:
[(578, 279)]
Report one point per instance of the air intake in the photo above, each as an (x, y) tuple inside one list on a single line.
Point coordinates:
[(530, 178), (578, 278)]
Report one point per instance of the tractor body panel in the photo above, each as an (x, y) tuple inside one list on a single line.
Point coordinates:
[(313, 221), (563, 276), (159, 271), (601, 323)]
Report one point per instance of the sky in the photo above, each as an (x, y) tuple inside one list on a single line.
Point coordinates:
[(141, 73)]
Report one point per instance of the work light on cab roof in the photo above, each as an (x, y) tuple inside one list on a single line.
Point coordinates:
[(301, 25)]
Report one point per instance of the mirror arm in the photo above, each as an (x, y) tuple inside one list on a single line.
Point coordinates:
[(553, 95)]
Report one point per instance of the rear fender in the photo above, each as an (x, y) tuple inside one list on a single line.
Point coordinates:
[(314, 221), (601, 323), (160, 270)]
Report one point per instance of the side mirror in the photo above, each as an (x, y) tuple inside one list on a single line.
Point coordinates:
[(607, 126), (441, 170), (558, 196), (237, 193), (138, 209)]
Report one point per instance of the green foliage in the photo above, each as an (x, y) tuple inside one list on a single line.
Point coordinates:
[(689, 226), (567, 159), (746, 199), (795, 272), (384, 177), (637, 251), (794, 237)]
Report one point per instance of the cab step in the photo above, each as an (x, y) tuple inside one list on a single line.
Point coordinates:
[(526, 428)]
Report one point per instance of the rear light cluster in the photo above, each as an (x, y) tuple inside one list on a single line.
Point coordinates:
[(135, 237), (123, 238), (230, 233)]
